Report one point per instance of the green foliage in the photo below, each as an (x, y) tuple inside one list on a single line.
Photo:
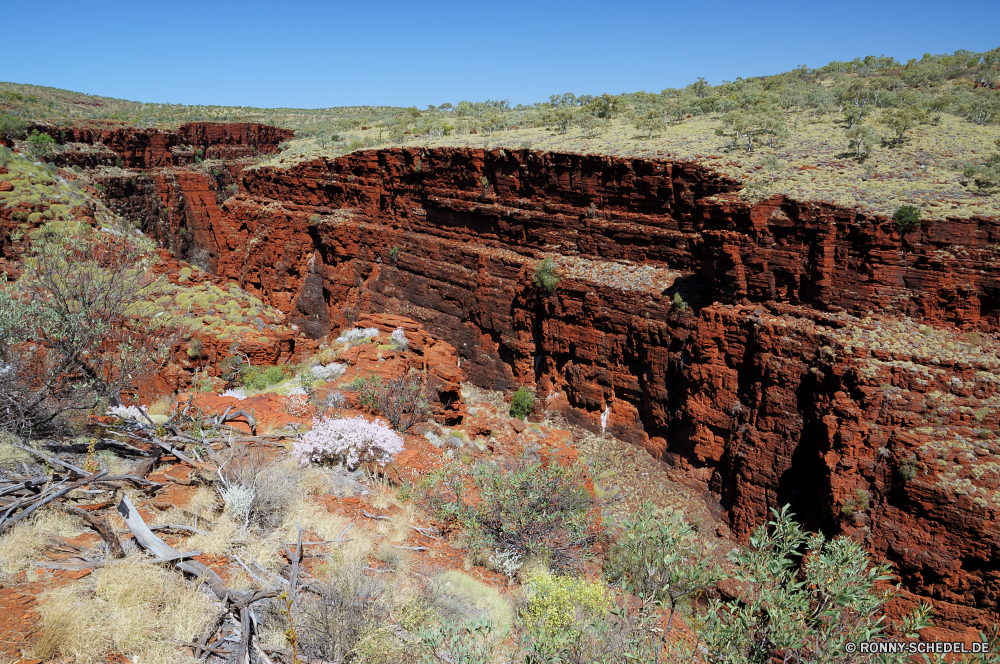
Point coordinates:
[(545, 276), (801, 608), (987, 176), (862, 140), (475, 641), (649, 118), (529, 508), (260, 378), (195, 348), (679, 302), (555, 601), (394, 254), (368, 390), (522, 403), (12, 127), (658, 557), (37, 138), (82, 295), (773, 166), (402, 400), (901, 120), (39, 145), (907, 218)]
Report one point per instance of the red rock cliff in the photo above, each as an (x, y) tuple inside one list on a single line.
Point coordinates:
[(767, 348)]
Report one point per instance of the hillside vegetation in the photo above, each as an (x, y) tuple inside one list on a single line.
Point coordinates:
[(872, 132)]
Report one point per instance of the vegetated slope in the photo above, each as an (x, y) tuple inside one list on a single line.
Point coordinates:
[(773, 349), (871, 133)]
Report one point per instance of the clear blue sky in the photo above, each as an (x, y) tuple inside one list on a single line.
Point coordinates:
[(319, 54)]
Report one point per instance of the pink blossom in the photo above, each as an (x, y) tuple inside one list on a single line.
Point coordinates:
[(348, 440)]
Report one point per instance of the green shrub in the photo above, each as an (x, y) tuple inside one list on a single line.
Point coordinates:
[(522, 403), (394, 254), (545, 276), (908, 470), (528, 508), (368, 390), (195, 348), (12, 127), (658, 557), (802, 608), (907, 218), (40, 139), (555, 601), (260, 378)]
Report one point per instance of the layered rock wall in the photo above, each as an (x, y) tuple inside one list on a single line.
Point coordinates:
[(764, 347)]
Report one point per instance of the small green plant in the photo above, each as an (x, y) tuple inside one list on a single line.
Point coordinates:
[(679, 302), (522, 403), (394, 254), (260, 378), (121, 164), (37, 138), (532, 509), (195, 349), (367, 388), (907, 218), (908, 470), (545, 275)]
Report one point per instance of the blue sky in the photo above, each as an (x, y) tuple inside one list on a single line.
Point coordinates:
[(319, 54)]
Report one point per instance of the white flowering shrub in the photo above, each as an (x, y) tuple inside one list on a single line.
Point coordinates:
[(506, 561), (399, 341), (239, 394), (357, 334), (348, 440), (238, 500), (331, 371), (127, 412)]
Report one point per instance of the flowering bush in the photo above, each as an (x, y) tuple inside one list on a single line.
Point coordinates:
[(239, 394), (331, 371), (295, 404), (349, 440), (357, 334), (399, 341), (127, 412)]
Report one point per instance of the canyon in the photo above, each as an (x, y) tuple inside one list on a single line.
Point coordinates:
[(778, 351)]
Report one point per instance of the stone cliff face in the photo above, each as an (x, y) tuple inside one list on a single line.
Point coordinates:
[(153, 148), (767, 348)]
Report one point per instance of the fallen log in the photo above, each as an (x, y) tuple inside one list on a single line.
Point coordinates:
[(80, 472), (41, 501), (99, 525)]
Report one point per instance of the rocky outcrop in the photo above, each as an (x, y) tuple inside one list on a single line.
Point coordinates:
[(765, 347), (130, 147)]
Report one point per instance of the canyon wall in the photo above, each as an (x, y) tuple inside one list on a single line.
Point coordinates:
[(106, 143), (766, 348)]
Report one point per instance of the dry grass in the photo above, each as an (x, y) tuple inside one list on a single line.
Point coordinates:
[(26, 541), (458, 597), (132, 606)]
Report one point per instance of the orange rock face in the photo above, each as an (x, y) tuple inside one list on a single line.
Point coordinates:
[(739, 341)]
